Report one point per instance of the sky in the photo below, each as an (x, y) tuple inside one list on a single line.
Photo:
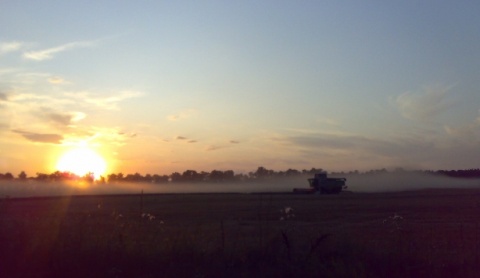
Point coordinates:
[(165, 86)]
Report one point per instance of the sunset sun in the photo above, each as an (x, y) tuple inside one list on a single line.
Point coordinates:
[(81, 161)]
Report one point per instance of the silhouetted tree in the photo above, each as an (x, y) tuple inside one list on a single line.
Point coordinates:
[(218, 176), (102, 180), (137, 177), (175, 177), (159, 179), (8, 176), (112, 178), (22, 176), (89, 177), (191, 176), (262, 172), (292, 172), (41, 177)]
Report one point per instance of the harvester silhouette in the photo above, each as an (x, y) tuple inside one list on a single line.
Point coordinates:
[(320, 184)]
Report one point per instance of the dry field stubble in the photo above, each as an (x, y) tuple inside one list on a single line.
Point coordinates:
[(418, 233)]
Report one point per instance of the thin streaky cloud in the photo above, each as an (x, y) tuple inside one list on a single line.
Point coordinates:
[(109, 102), (328, 121), (40, 137), (424, 105), (61, 119), (48, 53), (182, 115), (467, 133), (213, 148), (27, 97), (94, 135), (7, 47), (56, 80), (8, 71)]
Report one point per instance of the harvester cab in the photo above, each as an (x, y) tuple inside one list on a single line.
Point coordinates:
[(321, 184)]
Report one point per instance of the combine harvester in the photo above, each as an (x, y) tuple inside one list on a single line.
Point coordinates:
[(320, 184)]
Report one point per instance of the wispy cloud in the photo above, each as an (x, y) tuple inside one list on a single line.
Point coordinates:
[(214, 148), (328, 121), (182, 115), (95, 135), (424, 105), (40, 137), (61, 119), (56, 80), (466, 133), (49, 53), (6, 47), (390, 147), (108, 102), (185, 139)]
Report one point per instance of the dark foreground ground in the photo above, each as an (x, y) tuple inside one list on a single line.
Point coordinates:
[(428, 233)]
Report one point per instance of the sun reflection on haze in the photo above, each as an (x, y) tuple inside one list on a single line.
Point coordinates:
[(81, 161)]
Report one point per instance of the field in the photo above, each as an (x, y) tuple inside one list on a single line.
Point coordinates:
[(424, 233)]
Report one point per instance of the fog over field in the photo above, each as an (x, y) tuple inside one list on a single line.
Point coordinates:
[(383, 182), (389, 182)]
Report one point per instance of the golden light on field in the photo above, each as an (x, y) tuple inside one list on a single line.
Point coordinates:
[(82, 161)]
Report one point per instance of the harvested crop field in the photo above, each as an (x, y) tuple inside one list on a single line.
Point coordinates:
[(425, 233)]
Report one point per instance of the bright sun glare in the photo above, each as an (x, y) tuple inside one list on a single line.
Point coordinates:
[(81, 161)]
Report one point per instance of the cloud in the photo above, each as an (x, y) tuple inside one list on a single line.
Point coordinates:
[(109, 102), (422, 106), (183, 138), (7, 47), (96, 136), (222, 145), (213, 148), (467, 133), (40, 137), (328, 121), (356, 143), (46, 54), (56, 80), (351, 150), (182, 115), (30, 97), (62, 119), (3, 97), (130, 135)]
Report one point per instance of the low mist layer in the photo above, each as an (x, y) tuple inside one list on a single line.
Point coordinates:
[(389, 182), (383, 182)]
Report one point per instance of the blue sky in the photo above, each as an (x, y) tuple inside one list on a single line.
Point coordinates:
[(167, 86)]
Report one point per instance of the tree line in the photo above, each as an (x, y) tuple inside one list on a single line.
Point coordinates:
[(261, 173)]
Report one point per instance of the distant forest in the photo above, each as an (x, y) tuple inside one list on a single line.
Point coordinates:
[(218, 176)]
